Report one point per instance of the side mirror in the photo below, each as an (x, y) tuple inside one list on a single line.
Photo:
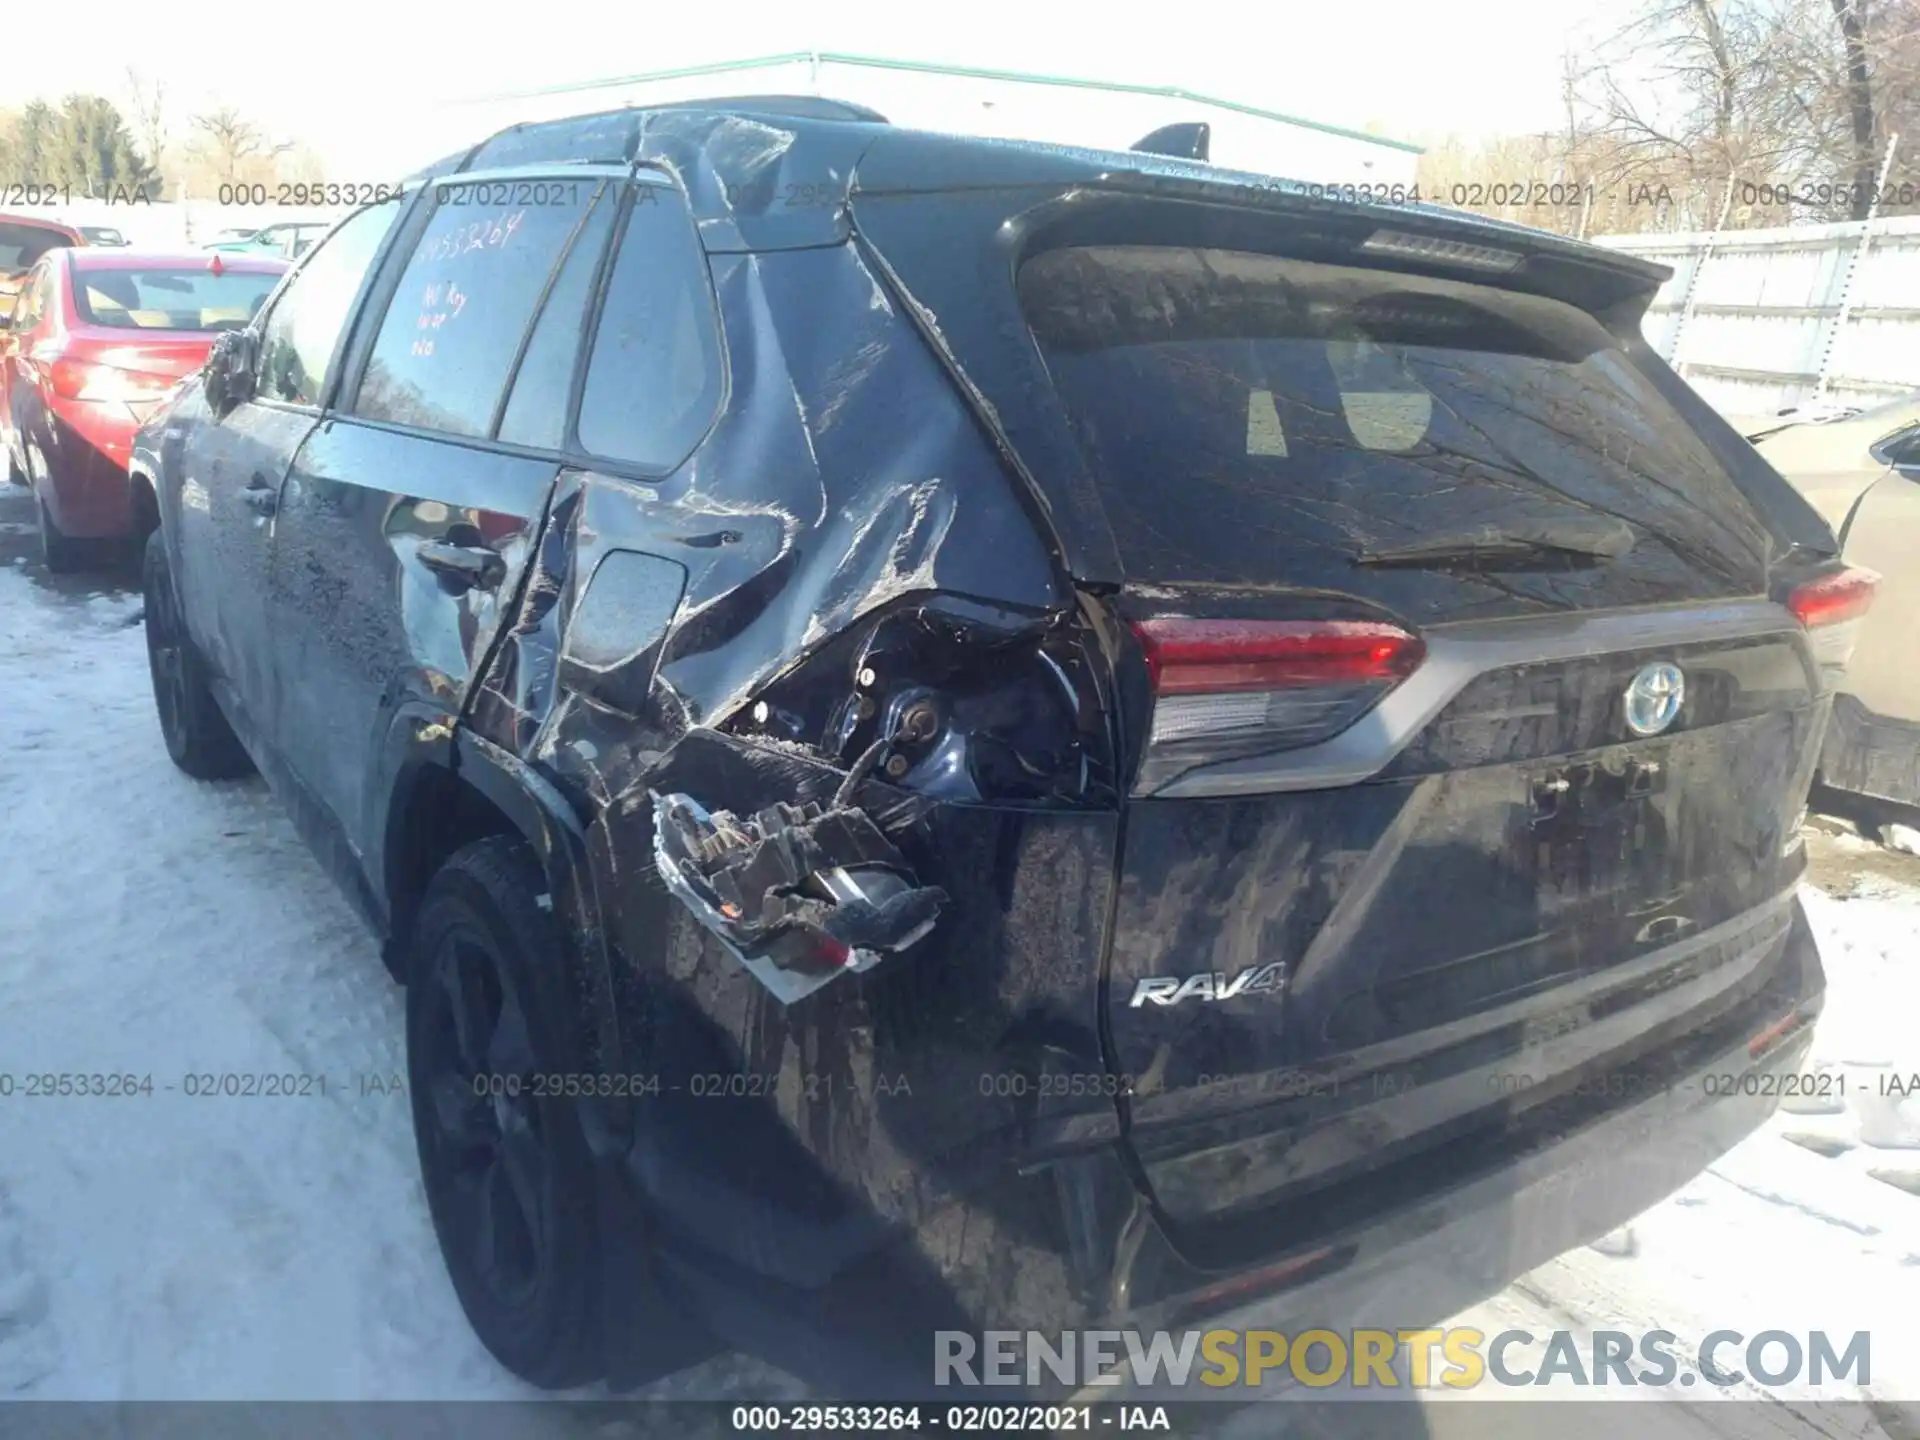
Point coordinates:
[(229, 371), (214, 375)]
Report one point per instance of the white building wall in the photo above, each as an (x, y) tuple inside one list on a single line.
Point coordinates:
[(1773, 311)]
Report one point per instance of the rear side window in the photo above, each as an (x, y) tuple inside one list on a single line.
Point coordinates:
[(21, 245), (461, 312), (304, 327), (654, 376), (536, 412), (1253, 419)]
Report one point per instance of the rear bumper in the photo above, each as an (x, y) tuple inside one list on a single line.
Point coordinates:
[(1074, 1246), (1429, 1262), (1870, 754)]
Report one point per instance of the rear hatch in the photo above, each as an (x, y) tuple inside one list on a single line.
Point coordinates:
[(1468, 733)]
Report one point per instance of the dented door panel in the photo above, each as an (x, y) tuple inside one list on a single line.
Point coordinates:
[(364, 622), (846, 517)]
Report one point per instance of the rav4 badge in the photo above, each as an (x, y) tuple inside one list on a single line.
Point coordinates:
[(1171, 990)]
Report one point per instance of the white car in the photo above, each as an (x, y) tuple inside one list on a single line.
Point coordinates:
[(1862, 473)]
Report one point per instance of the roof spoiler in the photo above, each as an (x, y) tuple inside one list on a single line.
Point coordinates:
[(1190, 140)]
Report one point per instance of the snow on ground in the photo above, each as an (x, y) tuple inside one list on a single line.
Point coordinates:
[(165, 1244)]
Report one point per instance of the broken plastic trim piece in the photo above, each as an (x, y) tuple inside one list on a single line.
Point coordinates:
[(800, 894)]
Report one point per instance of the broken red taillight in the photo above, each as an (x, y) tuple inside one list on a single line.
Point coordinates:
[(1834, 599), (1832, 608), (1224, 689), (1187, 657)]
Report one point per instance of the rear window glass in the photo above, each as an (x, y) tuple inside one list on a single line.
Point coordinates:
[(1256, 419), (654, 376), (21, 245), (170, 299)]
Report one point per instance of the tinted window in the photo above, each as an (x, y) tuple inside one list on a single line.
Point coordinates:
[(537, 410), (170, 299), (654, 377), (464, 302), (1253, 419), (21, 245), (305, 325)]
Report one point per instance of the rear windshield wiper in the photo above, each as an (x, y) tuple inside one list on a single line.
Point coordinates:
[(1511, 545)]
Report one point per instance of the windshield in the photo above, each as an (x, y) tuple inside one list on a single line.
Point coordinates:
[(21, 245), (166, 299)]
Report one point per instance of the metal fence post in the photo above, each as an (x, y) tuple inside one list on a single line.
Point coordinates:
[(1693, 280), (1823, 371)]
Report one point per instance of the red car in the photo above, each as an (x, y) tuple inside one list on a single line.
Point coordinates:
[(23, 240), (97, 339)]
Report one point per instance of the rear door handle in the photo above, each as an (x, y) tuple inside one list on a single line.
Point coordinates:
[(259, 495), (474, 566)]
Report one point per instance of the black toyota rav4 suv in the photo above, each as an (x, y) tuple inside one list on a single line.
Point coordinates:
[(952, 734)]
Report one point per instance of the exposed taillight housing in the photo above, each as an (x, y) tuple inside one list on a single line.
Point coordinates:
[(1226, 689), (1832, 608)]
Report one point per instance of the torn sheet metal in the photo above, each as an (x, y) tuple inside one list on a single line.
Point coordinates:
[(800, 894)]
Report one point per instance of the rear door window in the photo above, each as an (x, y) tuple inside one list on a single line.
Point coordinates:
[(1258, 420), (462, 311), (654, 377)]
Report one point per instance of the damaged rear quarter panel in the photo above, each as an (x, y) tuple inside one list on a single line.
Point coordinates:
[(844, 477)]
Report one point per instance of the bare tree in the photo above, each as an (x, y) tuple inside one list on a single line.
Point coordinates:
[(1859, 103), (1893, 50), (1700, 112), (230, 142), (148, 109)]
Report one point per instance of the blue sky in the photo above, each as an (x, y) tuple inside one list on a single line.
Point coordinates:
[(358, 80)]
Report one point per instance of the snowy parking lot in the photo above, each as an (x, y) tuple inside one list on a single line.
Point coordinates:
[(172, 1244)]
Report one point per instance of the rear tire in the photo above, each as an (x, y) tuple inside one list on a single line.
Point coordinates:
[(198, 736), (509, 1179), (61, 553)]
